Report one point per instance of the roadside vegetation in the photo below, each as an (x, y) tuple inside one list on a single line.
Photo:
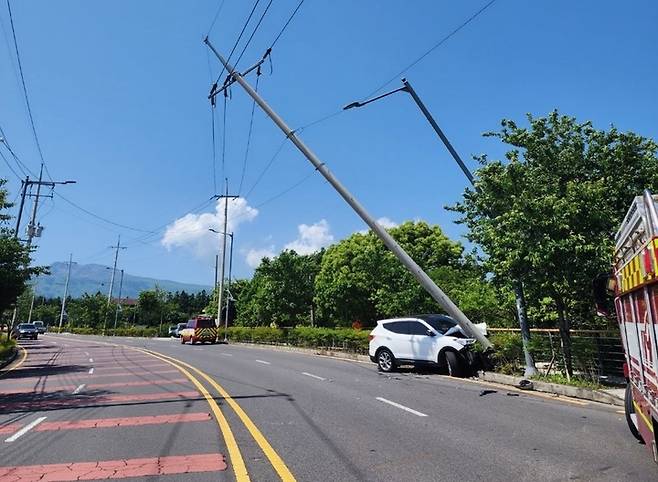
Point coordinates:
[(6, 348)]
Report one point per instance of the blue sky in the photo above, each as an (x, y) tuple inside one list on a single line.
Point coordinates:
[(118, 92)]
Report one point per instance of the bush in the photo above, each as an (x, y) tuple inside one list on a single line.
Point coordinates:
[(303, 336), (6, 347), (509, 352)]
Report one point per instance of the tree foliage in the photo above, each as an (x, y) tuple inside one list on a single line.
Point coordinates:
[(549, 212)]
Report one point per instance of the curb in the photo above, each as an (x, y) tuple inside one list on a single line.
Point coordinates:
[(555, 388), (307, 351), (10, 359)]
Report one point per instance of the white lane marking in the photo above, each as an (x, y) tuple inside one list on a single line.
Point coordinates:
[(87, 353), (91, 371), (402, 407), (313, 376), (226, 354), (25, 429), (263, 362), (91, 360), (79, 389)]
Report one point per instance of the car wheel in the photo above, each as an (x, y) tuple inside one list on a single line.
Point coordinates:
[(631, 417), (454, 364), (385, 360), (182, 340)]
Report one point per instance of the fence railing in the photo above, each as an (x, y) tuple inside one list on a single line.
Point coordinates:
[(596, 354)]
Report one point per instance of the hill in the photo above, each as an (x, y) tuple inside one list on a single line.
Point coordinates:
[(90, 278)]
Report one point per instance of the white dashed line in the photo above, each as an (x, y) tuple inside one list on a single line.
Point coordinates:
[(263, 362), (91, 371), (91, 360), (79, 389), (226, 354), (402, 407), (87, 353), (313, 376), (25, 429)]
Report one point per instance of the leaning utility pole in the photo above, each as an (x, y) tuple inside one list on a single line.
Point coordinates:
[(228, 289), (427, 283), (24, 185), (66, 292), (114, 269), (220, 293)]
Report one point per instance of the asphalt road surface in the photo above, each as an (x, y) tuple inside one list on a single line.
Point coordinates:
[(92, 408)]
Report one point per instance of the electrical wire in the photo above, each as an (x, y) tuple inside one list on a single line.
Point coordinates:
[(433, 48), (219, 9), (267, 166), (11, 168), (235, 45), (251, 126), (27, 99), (262, 16), (286, 25)]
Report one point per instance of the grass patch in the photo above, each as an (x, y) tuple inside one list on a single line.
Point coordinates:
[(6, 347), (575, 381)]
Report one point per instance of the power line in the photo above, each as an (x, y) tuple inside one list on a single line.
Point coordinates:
[(267, 166), (219, 9), (11, 168), (27, 100), (239, 37), (262, 16), (251, 126), (285, 25), (434, 47)]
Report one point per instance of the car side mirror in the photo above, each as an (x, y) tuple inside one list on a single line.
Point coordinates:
[(430, 333)]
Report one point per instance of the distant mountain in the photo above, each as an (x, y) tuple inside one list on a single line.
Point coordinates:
[(90, 278)]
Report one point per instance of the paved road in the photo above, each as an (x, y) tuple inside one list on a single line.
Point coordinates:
[(291, 416)]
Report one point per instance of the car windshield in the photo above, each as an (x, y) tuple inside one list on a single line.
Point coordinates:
[(26, 326), (440, 323), (205, 323), (38, 323)]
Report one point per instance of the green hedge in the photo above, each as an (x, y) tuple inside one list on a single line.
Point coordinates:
[(302, 336), (6, 347)]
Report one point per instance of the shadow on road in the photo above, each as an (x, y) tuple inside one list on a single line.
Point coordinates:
[(43, 370)]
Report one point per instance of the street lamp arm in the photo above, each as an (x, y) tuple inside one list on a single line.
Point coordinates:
[(366, 102)]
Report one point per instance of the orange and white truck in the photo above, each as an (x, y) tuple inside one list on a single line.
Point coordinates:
[(635, 285)]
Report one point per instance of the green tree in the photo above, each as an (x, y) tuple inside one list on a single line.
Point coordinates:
[(89, 311), (281, 290), (550, 211), (15, 269)]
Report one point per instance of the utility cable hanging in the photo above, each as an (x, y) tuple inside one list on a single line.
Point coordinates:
[(219, 9), (253, 33), (27, 99), (251, 126), (433, 48), (267, 166), (239, 37), (285, 26)]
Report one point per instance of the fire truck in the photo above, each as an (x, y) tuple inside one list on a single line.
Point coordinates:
[(635, 285)]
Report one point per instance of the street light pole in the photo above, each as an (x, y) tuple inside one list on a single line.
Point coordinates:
[(426, 282), (230, 270)]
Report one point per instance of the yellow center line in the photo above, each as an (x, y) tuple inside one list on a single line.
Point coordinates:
[(277, 462), (239, 467), (17, 364)]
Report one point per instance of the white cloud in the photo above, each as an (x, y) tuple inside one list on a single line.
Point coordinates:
[(385, 222), (192, 230), (255, 256), (311, 238)]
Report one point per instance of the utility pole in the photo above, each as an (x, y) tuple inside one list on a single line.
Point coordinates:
[(216, 268), (114, 269), (31, 228), (24, 185), (426, 282), (220, 293), (29, 317), (116, 312), (230, 296), (66, 292)]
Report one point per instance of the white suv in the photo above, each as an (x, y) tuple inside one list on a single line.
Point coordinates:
[(421, 339)]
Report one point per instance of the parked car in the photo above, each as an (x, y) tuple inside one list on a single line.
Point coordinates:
[(421, 340), (26, 330), (175, 330), (40, 325), (172, 330)]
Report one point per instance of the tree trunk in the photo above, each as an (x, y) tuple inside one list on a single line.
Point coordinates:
[(565, 335), (530, 368)]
